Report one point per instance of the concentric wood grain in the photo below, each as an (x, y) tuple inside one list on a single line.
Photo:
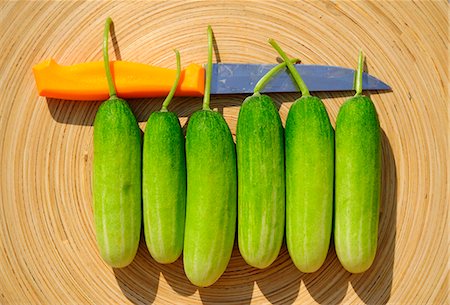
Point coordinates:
[(48, 253)]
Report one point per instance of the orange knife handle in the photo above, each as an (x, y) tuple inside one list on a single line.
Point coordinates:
[(87, 81)]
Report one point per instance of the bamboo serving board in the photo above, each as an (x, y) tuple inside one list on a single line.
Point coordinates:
[(48, 252)]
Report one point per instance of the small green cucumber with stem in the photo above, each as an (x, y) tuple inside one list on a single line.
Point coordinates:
[(211, 191), (116, 175), (261, 177), (164, 181), (358, 180), (309, 139)]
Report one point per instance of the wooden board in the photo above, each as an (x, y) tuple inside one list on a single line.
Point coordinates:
[(48, 253)]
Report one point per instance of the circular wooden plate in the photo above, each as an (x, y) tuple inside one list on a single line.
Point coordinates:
[(48, 253)]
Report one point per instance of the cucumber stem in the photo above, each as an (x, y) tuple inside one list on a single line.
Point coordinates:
[(206, 96), (112, 88), (175, 84), (298, 79), (358, 83), (268, 76)]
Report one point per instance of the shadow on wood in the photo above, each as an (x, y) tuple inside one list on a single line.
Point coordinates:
[(280, 282), (139, 280)]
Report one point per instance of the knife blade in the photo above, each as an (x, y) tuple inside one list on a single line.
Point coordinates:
[(242, 78), (87, 81)]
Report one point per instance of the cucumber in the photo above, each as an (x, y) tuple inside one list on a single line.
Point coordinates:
[(117, 182), (309, 182), (358, 181), (164, 182), (211, 192), (116, 177), (309, 138), (261, 179)]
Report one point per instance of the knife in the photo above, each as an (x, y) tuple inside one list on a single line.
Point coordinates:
[(87, 81)]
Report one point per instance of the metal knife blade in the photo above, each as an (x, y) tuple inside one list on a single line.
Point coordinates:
[(241, 78)]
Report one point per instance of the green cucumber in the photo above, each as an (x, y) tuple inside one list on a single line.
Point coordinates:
[(261, 178), (211, 192), (309, 138), (164, 182), (358, 180), (116, 176), (309, 182)]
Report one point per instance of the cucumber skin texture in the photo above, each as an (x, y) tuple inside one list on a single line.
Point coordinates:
[(211, 197), (261, 181), (164, 186), (117, 182), (358, 183), (309, 183)]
